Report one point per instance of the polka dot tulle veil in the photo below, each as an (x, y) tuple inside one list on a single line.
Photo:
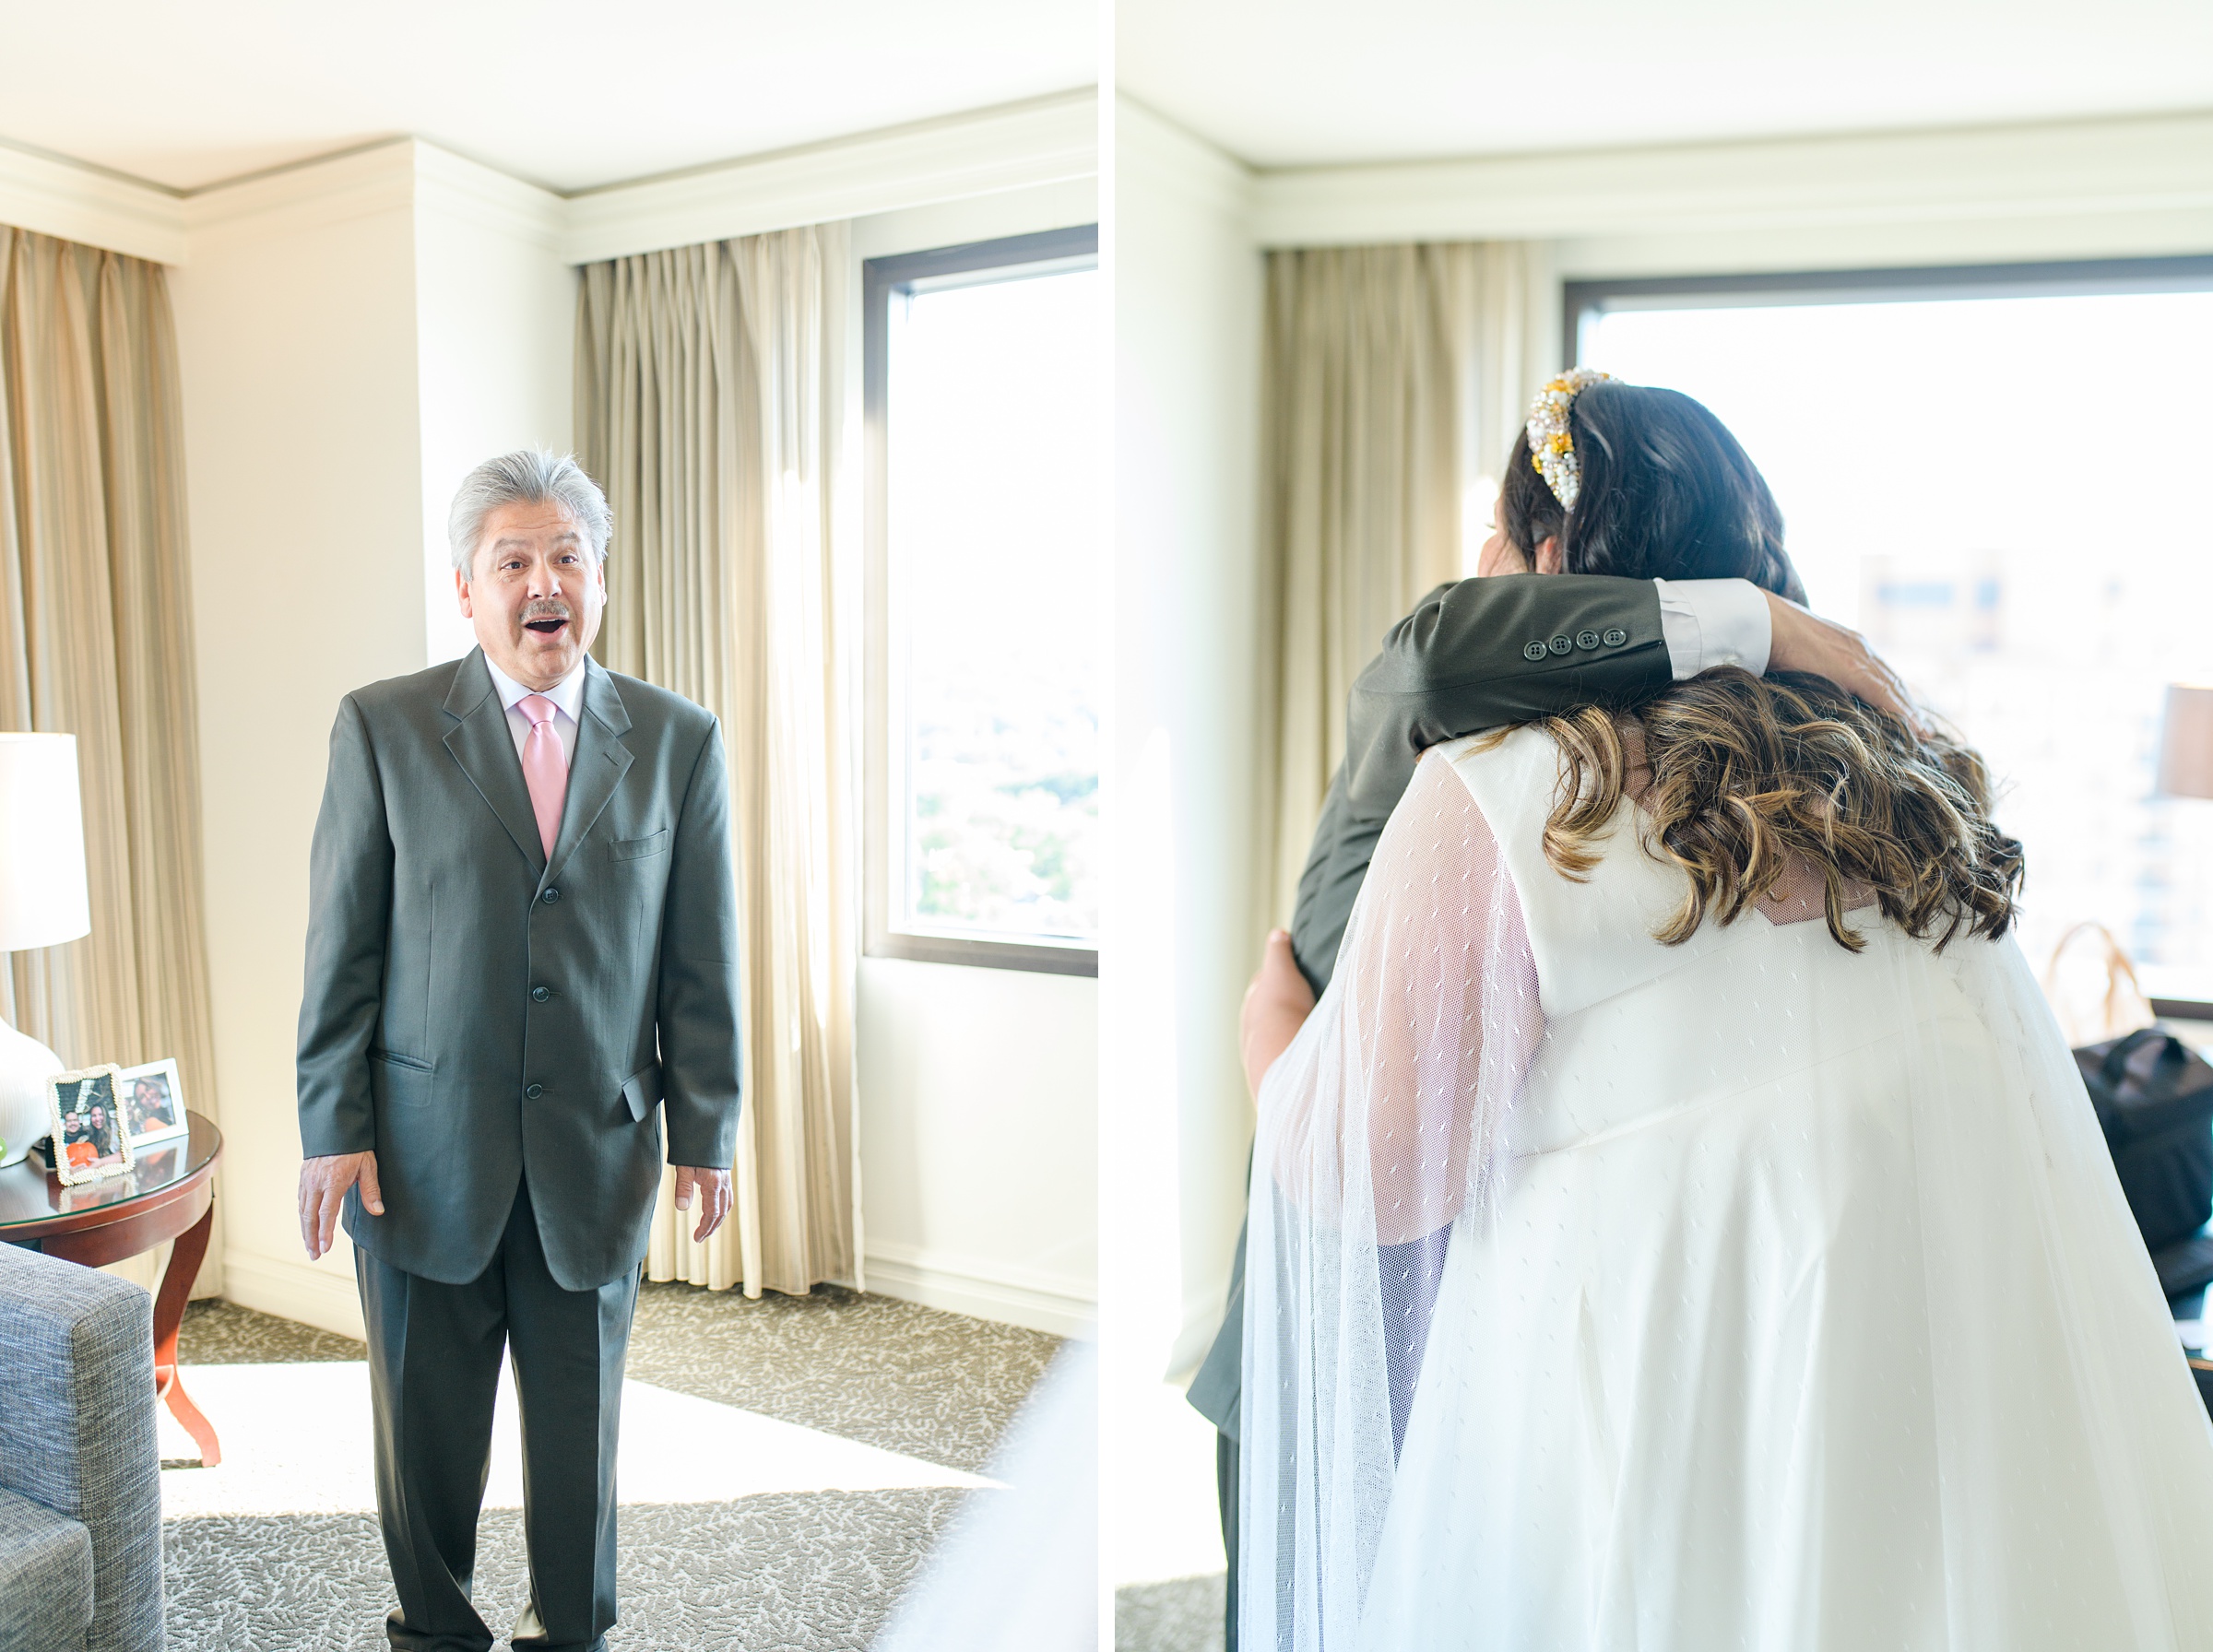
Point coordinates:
[(1746, 1292)]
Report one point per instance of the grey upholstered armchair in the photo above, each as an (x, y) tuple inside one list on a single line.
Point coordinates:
[(81, 1475)]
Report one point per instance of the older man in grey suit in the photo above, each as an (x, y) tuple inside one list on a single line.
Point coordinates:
[(521, 955)]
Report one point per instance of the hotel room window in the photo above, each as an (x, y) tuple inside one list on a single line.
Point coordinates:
[(1991, 473), (983, 392)]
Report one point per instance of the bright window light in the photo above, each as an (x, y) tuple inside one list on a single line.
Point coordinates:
[(991, 430), (2004, 494)]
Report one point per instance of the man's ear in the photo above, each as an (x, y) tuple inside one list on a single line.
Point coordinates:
[(461, 592), (1549, 554)]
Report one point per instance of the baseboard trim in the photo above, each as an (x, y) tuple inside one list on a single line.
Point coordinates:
[(1038, 1301), (327, 1300), (318, 1296)]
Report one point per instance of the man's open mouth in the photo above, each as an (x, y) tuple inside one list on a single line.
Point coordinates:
[(548, 627)]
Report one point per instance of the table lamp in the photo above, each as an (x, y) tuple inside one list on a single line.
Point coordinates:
[(42, 903), (2186, 743)]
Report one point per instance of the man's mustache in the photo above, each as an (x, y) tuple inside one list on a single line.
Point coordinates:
[(546, 609)]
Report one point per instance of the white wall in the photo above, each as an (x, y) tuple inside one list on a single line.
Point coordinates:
[(978, 1087), (1181, 932), (1180, 942), (296, 338), (353, 337), (495, 309), (979, 1124)]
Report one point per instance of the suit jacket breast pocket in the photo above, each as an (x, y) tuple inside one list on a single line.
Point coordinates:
[(638, 848)]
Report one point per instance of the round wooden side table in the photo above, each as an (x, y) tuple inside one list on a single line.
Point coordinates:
[(168, 1193)]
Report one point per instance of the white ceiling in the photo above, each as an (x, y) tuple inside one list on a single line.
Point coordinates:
[(559, 92), (1303, 82)]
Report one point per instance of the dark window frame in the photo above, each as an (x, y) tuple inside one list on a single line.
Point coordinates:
[(1580, 298), (881, 280)]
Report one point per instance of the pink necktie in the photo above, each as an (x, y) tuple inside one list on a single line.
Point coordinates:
[(545, 770)]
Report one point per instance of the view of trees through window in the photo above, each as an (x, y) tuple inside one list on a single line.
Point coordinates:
[(992, 430), (2001, 491)]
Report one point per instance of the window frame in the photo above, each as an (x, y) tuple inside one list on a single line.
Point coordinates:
[(1584, 300), (1587, 298), (881, 280)]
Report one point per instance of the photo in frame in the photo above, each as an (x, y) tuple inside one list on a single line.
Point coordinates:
[(89, 1142), (153, 1103)]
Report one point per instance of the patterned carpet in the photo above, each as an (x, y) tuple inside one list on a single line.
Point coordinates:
[(1183, 1614), (808, 1571)]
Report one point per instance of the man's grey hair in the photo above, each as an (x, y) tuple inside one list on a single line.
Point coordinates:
[(528, 477)]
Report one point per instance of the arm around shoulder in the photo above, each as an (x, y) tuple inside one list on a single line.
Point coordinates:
[(1484, 653)]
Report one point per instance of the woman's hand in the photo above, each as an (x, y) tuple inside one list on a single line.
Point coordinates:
[(1276, 1006), (1803, 641)]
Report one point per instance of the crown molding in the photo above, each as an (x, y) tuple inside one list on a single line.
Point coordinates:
[(358, 183), (1048, 140), (469, 190), (2155, 165), (1155, 154), (56, 196)]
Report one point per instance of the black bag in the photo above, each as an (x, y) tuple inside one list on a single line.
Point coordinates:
[(2154, 1097)]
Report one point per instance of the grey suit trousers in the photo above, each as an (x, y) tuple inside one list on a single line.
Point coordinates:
[(433, 1370)]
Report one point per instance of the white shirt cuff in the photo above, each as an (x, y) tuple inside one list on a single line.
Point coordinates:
[(1709, 622)]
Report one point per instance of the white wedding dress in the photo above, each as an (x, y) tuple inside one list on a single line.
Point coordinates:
[(1789, 1299)]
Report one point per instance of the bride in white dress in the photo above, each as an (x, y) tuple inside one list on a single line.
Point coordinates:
[(1680, 1225)]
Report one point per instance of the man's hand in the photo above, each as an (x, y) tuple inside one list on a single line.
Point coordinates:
[(1276, 1006), (1804, 641), (714, 1188), (322, 1183)]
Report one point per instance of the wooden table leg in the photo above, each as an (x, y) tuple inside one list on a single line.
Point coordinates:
[(184, 1260)]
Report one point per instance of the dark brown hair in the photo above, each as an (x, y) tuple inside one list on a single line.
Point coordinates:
[(1667, 493), (1750, 775)]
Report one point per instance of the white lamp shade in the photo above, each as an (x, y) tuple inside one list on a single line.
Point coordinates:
[(2186, 743), (42, 899)]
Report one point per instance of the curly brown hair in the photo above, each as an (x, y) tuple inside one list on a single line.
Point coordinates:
[(1751, 775)]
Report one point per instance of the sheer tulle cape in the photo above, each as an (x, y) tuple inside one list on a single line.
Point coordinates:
[(1748, 1292)]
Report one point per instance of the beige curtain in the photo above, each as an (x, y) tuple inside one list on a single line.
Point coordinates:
[(1394, 379), (96, 641), (706, 403)]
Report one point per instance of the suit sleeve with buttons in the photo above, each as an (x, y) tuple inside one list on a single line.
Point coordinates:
[(1474, 655), (698, 1010)]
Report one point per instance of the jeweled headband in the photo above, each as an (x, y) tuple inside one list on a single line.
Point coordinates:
[(1551, 447)]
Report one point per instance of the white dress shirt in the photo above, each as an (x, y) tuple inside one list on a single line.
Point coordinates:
[(1709, 622), (567, 696)]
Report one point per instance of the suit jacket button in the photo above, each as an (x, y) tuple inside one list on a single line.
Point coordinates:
[(1586, 639), (1534, 651), (535, 1091), (1563, 645), (539, 994), (551, 896), (1616, 637)]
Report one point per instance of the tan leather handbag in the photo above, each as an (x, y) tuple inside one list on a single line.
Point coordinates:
[(2092, 987)]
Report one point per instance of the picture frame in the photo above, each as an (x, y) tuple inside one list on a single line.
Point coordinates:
[(89, 1142), (152, 1099)]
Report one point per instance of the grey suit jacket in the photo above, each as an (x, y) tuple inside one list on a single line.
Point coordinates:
[(1474, 655), (475, 1012)]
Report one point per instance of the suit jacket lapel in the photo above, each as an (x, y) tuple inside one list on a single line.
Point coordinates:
[(484, 748), (599, 766)]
